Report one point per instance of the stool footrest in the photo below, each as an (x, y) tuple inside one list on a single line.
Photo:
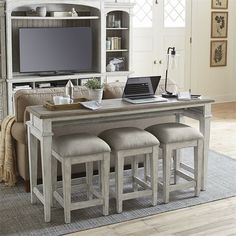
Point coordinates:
[(38, 194), (182, 186), (187, 167), (144, 193), (95, 193), (184, 176), (58, 197), (142, 183), (85, 204)]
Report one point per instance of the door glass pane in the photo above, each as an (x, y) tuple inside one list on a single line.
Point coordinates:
[(174, 13), (143, 13)]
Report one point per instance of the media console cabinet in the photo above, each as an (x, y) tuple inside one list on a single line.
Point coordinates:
[(16, 14)]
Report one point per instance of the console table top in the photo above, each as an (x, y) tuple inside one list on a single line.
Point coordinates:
[(117, 106)]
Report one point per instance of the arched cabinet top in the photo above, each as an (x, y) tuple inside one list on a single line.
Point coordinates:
[(118, 6), (12, 5)]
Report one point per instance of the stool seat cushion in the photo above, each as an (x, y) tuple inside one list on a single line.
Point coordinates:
[(174, 132), (79, 145), (128, 138)]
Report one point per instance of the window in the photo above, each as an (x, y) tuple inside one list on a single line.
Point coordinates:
[(143, 13), (174, 13)]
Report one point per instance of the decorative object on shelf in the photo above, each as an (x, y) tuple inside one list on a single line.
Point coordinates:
[(41, 11), (117, 24), (111, 20), (171, 53), (118, 62), (219, 24), (111, 67), (95, 89), (219, 4), (60, 13), (69, 89), (73, 12), (218, 53), (31, 12)]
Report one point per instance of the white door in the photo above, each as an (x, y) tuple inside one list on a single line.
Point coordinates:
[(146, 43), (163, 24)]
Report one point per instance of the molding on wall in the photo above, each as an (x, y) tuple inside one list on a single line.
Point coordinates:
[(224, 98)]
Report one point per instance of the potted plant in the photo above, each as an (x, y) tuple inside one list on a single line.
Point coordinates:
[(95, 89)]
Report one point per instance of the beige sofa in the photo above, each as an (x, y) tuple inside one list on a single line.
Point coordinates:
[(26, 98)]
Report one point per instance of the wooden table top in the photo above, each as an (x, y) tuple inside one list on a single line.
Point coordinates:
[(117, 106)]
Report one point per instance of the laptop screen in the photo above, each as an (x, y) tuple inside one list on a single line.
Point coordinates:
[(141, 86)]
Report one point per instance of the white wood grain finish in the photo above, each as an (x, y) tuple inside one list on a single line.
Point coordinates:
[(197, 170), (120, 155), (66, 165), (214, 218), (112, 110)]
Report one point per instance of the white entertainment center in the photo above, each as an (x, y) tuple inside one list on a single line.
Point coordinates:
[(109, 21)]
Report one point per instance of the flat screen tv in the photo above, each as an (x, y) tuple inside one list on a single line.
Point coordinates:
[(55, 49)]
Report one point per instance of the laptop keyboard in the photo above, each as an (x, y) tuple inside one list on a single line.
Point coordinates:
[(146, 100), (142, 97)]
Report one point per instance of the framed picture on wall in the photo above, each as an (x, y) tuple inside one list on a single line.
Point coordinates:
[(218, 53), (219, 24), (219, 4)]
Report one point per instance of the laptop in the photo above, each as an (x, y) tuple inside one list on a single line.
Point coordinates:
[(142, 90)]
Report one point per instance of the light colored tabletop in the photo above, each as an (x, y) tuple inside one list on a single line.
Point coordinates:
[(113, 106)]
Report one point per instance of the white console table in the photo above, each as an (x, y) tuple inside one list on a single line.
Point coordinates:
[(42, 122)]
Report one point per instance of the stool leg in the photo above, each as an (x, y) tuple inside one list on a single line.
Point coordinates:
[(177, 160), (154, 174), (105, 170), (99, 176), (119, 159), (54, 178), (198, 156), (146, 167), (89, 179), (135, 172), (33, 163), (166, 172), (66, 176)]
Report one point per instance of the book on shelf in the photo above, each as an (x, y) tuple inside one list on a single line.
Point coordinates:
[(44, 85), (19, 87)]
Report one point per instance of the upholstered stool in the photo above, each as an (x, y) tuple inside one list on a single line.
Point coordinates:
[(78, 149), (130, 142), (173, 136)]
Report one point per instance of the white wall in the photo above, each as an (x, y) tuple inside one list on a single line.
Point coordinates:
[(220, 82)]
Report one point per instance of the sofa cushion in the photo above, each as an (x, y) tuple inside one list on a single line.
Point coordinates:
[(18, 132), (113, 90)]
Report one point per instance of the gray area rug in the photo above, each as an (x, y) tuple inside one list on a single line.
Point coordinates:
[(19, 217)]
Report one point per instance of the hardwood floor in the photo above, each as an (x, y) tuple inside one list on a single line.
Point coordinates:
[(215, 218)]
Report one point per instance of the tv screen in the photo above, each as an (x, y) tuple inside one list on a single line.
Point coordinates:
[(55, 49)]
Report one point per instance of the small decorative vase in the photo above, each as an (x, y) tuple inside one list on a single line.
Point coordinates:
[(96, 95), (111, 67), (41, 11)]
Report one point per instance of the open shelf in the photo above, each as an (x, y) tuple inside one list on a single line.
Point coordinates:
[(118, 50), (22, 78), (55, 18), (117, 28)]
